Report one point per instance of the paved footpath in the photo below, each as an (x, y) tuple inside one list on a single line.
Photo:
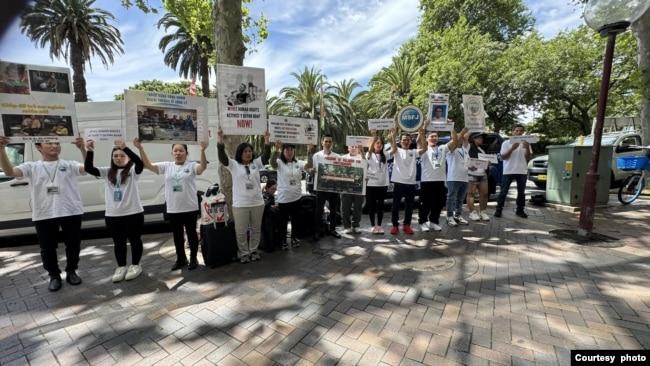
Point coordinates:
[(500, 293)]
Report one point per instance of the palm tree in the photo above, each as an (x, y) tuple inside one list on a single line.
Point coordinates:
[(75, 31), (190, 56), (305, 99), (391, 87), (347, 117)]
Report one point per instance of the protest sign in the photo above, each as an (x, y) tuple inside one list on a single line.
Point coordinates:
[(474, 112), (410, 118), (166, 118), (438, 108), (531, 139), (104, 134), (241, 99), (293, 130), (36, 103), (491, 158), (381, 124), (358, 140), (341, 175), (477, 166), (440, 126)]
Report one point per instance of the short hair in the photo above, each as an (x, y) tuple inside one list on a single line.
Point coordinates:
[(403, 134), (325, 135), (519, 125), (240, 151), (271, 182)]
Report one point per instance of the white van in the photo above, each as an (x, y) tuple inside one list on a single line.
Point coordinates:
[(15, 207)]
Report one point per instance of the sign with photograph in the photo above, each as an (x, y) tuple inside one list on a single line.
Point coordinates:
[(381, 124), (166, 118), (474, 112), (491, 158), (293, 130), (341, 175), (438, 108), (358, 140), (104, 134), (410, 118), (477, 166), (531, 139), (241, 96), (36, 103)]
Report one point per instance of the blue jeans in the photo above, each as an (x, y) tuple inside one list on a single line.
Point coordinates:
[(521, 190), (456, 192)]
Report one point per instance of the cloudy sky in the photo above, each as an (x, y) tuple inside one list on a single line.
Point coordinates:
[(343, 38)]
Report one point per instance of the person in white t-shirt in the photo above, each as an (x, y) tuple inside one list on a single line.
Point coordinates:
[(403, 177), (515, 167), (289, 189), (377, 185), (456, 158), (247, 199), (478, 180), (124, 212), (181, 200), (433, 193), (56, 203), (352, 204)]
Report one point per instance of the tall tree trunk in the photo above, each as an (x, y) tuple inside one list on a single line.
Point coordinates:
[(229, 45), (641, 30), (204, 72), (78, 79)]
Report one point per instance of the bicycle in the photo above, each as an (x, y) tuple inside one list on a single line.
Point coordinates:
[(633, 185)]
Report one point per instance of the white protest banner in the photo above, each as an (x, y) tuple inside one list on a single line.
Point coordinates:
[(474, 112), (531, 139), (293, 130), (477, 166), (438, 108), (358, 140), (435, 126), (166, 118), (381, 124), (241, 99), (104, 134), (36, 103), (491, 158), (341, 175)]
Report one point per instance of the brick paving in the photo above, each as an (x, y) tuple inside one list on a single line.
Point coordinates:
[(499, 293)]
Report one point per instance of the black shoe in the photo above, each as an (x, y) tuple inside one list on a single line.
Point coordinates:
[(72, 278), (55, 284), (179, 264), (335, 234), (193, 264), (497, 213), (522, 214), (315, 238)]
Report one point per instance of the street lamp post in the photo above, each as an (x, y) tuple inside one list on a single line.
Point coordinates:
[(609, 18)]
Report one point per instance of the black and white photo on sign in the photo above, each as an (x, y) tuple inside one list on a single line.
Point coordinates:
[(33, 125), (474, 112), (49, 81), (293, 130), (438, 107), (341, 175), (381, 124), (477, 165), (241, 98)]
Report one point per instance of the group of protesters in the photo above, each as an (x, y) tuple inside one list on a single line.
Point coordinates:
[(445, 179)]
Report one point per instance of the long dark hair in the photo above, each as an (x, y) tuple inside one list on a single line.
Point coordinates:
[(284, 147), (240, 151), (112, 172), (381, 152)]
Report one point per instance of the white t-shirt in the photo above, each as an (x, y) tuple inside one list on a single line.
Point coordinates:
[(432, 164), (456, 164), (54, 188), (180, 186), (246, 189), (516, 163), (319, 158), (377, 172), (289, 184), (404, 166), (128, 201)]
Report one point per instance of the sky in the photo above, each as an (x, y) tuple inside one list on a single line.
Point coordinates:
[(343, 38)]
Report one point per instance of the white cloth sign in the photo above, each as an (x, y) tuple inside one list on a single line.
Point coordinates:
[(474, 112), (241, 98), (293, 130), (381, 124)]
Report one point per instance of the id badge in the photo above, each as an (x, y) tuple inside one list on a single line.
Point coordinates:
[(177, 188), (292, 182), (117, 196), (53, 190), (249, 186), (436, 165)]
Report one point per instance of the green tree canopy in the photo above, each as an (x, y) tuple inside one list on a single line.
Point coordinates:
[(181, 87)]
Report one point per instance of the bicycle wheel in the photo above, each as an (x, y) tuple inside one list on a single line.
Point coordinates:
[(631, 188)]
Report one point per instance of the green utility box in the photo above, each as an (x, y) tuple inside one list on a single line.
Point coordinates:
[(567, 171)]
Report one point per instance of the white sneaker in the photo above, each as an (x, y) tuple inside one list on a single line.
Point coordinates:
[(474, 216), (424, 227), (355, 230), (119, 274), (435, 227), (133, 272), (484, 216), (451, 222), (461, 220), (348, 231), (380, 230)]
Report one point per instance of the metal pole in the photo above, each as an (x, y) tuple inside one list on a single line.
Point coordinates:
[(589, 198)]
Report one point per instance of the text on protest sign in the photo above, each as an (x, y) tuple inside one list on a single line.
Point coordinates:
[(241, 98), (358, 140), (492, 158), (435, 126), (474, 112), (104, 134), (293, 130), (477, 166), (410, 118), (531, 139), (341, 175), (381, 124)]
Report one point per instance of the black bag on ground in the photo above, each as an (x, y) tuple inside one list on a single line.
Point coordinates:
[(305, 220), (219, 244), (271, 238)]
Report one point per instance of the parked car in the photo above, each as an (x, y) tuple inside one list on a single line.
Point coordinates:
[(626, 143)]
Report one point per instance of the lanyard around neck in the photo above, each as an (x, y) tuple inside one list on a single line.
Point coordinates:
[(56, 169)]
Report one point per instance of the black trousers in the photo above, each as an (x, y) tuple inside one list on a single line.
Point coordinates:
[(125, 228), (334, 202), (187, 221), (47, 232), (433, 196), (408, 192), (375, 203), (289, 210), (521, 190)]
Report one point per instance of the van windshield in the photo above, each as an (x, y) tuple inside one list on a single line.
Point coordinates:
[(16, 154)]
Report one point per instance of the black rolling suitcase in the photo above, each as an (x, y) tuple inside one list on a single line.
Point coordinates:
[(218, 241), (305, 227)]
